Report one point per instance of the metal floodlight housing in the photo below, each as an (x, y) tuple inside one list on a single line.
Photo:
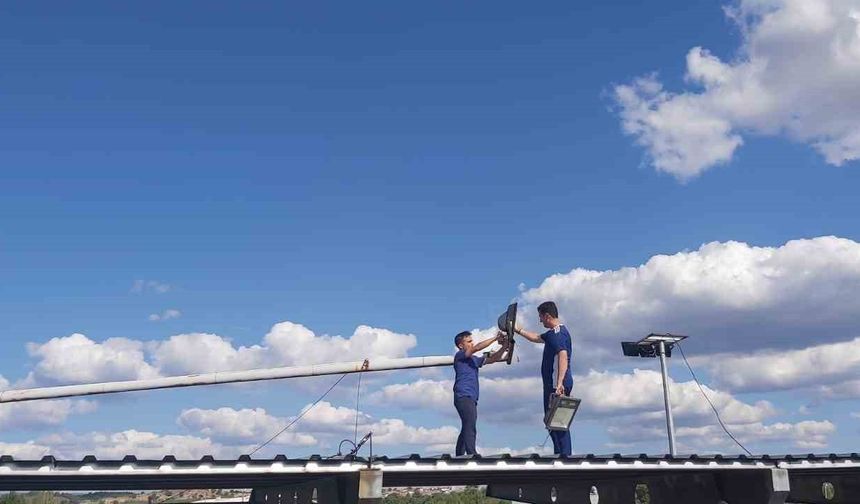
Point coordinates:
[(561, 412), (665, 338), (648, 346), (507, 324)]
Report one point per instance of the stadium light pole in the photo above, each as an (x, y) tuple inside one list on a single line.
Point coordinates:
[(658, 345)]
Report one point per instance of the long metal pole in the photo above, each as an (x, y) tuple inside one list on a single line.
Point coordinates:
[(280, 373), (670, 422)]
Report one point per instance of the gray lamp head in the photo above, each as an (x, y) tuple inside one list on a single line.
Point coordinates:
[(507, 321)]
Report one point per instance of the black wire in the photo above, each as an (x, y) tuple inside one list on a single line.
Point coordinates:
[(303, 413), (341, 445), (357, 395), (702, 390)]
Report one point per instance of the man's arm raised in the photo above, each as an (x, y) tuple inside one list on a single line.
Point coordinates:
[(482, 345), (531, 336)]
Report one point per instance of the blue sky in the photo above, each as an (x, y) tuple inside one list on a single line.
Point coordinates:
[(407, 167)]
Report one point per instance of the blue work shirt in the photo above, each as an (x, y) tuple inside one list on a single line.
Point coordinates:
[(466, 375), (555, 340)]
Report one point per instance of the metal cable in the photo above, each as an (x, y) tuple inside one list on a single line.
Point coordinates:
[(303, 413), (702, 390), (542, 445)]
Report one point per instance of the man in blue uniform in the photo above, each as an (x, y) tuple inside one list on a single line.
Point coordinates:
[(555, 367), (466, 365)]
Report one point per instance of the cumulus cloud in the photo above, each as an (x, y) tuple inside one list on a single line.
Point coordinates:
[(612, 394), (795, 74), (326, 417), (807, 434), (503, 400), (286, 344), (727, 295), (168, 314), (325, 422), (240, 426), (78, 359), (829, 364), (41, 414)]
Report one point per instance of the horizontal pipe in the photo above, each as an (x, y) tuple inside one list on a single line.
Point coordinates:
[(280, 373)]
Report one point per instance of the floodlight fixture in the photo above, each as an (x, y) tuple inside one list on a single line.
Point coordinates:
[(507, 323), (658, 345), (560, 413)]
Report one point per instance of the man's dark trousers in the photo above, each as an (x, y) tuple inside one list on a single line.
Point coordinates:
[(467, 408), (561, 444)]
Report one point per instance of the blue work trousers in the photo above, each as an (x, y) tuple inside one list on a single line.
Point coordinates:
[(467, 408), (561, 443)]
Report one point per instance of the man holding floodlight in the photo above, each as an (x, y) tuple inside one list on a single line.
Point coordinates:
[(466, 365), (555, 367)]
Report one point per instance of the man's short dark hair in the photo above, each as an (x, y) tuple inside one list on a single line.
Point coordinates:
[(459, 338), (549, 308)]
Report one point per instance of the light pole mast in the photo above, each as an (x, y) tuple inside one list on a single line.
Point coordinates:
[(658, 345), (670, 422)]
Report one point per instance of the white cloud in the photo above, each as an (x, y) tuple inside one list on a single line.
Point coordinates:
[(514, 399), (154, 286), (168, 314), (421, 394), (41, 414), (286, 344), (726, 295), (611, 394), (241, 426), (806, 434), (795, 74), (327, 418), (78, 359), (855, 415), (340, 420), (830, 363), (395, 431), (202, 352), (293, 343), (325, 422)]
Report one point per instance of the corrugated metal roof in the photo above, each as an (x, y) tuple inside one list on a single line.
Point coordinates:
[(245, 472)]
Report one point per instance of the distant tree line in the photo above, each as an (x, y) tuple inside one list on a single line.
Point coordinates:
[(469, 495)]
